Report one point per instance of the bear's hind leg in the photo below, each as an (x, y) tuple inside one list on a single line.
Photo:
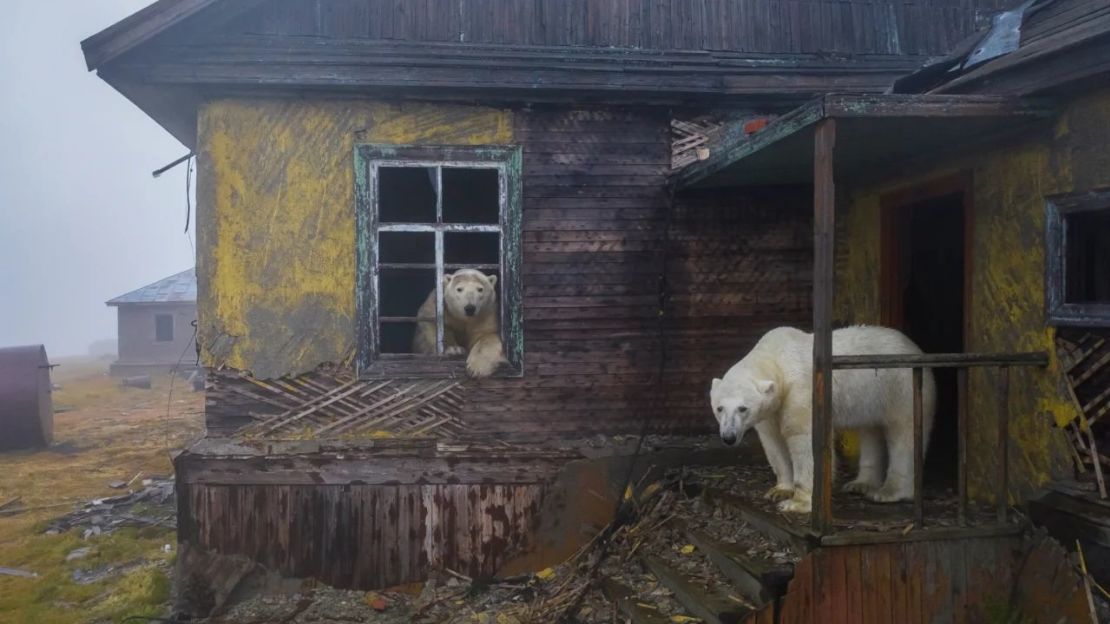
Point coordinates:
[(899, 475), (872, 448)]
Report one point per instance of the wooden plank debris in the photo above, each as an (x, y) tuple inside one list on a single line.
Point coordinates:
[(17, 572)]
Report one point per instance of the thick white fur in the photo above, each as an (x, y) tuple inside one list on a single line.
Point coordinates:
[(474, 334), (771, 390)]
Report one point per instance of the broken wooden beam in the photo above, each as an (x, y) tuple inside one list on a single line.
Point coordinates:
[(760, 582)]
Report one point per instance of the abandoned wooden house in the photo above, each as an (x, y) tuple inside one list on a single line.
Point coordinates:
[(654, 185), (157, 326)]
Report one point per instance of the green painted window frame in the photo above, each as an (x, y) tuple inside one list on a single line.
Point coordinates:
[(368, 157)]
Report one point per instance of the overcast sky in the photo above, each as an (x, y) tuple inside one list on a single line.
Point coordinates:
[(81, 218)]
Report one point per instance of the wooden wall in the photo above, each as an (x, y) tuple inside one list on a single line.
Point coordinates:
[(363, 536), (595, 222), (761, 26), (957, 581)]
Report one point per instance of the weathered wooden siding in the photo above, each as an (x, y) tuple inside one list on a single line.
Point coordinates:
[(363, 536), (761, 26), (988, 579), (594, 224), (1007, 310)]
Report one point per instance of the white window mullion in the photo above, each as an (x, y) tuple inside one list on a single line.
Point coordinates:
[(439, 261)]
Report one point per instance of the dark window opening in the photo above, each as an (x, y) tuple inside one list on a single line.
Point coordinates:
[(1077, 258), (471, 195), (422, 242), (163, 328), (407, 194), (1087, 257)]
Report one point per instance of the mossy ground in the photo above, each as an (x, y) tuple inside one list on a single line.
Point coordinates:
[(105, 433)]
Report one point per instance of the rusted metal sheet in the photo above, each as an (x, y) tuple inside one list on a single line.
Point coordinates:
[(26, 409)]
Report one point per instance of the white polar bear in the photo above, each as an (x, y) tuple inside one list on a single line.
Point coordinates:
[(771, 389), (470, 321)]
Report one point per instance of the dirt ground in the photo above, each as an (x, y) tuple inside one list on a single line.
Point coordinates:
[(102, 433)]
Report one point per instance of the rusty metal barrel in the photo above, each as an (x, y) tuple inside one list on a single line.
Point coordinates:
[(26, 411)]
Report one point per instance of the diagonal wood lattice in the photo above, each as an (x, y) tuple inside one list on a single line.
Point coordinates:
[(690, 140), (1085, 358), (334, 402)]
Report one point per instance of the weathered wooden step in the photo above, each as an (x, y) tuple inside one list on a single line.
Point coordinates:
[(760, 581), (628, 604), (713, 609), (801, 538)]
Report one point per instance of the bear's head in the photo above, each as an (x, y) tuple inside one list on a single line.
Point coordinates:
[(469, 293), (740, 404)]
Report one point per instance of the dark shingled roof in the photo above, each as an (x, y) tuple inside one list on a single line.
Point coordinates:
[(179, 288)]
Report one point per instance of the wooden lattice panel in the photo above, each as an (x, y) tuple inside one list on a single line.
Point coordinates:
[(335, 403), (690, 140)]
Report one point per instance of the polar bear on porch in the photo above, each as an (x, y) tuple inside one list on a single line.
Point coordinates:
[(470, 321), (771, 390)]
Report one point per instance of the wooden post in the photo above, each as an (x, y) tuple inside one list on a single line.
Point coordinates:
[(961, 441), (918, 452), (1003, 442), (824, 220)]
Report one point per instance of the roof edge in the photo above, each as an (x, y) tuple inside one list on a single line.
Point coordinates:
[(138, 28)]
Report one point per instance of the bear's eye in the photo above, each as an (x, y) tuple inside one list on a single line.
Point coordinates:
[(742, 409), (459, 289), (720, 409), (481, 290)]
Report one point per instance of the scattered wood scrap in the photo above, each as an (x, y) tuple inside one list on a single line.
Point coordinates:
[(11, 507), (17, 572)]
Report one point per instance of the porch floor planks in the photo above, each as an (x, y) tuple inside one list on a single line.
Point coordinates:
[(711, 608)]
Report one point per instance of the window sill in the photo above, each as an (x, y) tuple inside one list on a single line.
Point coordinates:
[(1080, 315), (421, 366)]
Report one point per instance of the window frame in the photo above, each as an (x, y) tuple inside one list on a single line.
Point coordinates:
[(173, 329), (368, 159), (1057, 310)]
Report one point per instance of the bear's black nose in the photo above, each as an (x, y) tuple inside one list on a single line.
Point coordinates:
[(728, 439), (470, 309)]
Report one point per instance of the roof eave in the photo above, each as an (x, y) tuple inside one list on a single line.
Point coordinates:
[(738, 146), (138, 28)]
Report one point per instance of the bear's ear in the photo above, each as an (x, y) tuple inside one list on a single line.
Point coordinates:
[(713, 386), (446, 280), (492, 281), (764, 386)]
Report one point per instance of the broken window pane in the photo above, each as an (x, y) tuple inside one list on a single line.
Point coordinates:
[(407, 194), (407, 248), (473, 250), (471, 196)]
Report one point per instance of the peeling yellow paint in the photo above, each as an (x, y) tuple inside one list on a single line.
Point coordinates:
[(1010, 183), (276, 220)]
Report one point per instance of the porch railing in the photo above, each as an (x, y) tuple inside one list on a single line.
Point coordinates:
[(963, 362)]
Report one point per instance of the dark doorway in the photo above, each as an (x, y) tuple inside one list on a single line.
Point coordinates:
[(924, 275)]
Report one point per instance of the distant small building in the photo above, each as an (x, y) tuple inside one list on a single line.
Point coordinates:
[(156, 326)]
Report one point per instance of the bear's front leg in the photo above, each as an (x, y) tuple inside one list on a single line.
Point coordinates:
[(801, 456), (485, 356), (774, 446)]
